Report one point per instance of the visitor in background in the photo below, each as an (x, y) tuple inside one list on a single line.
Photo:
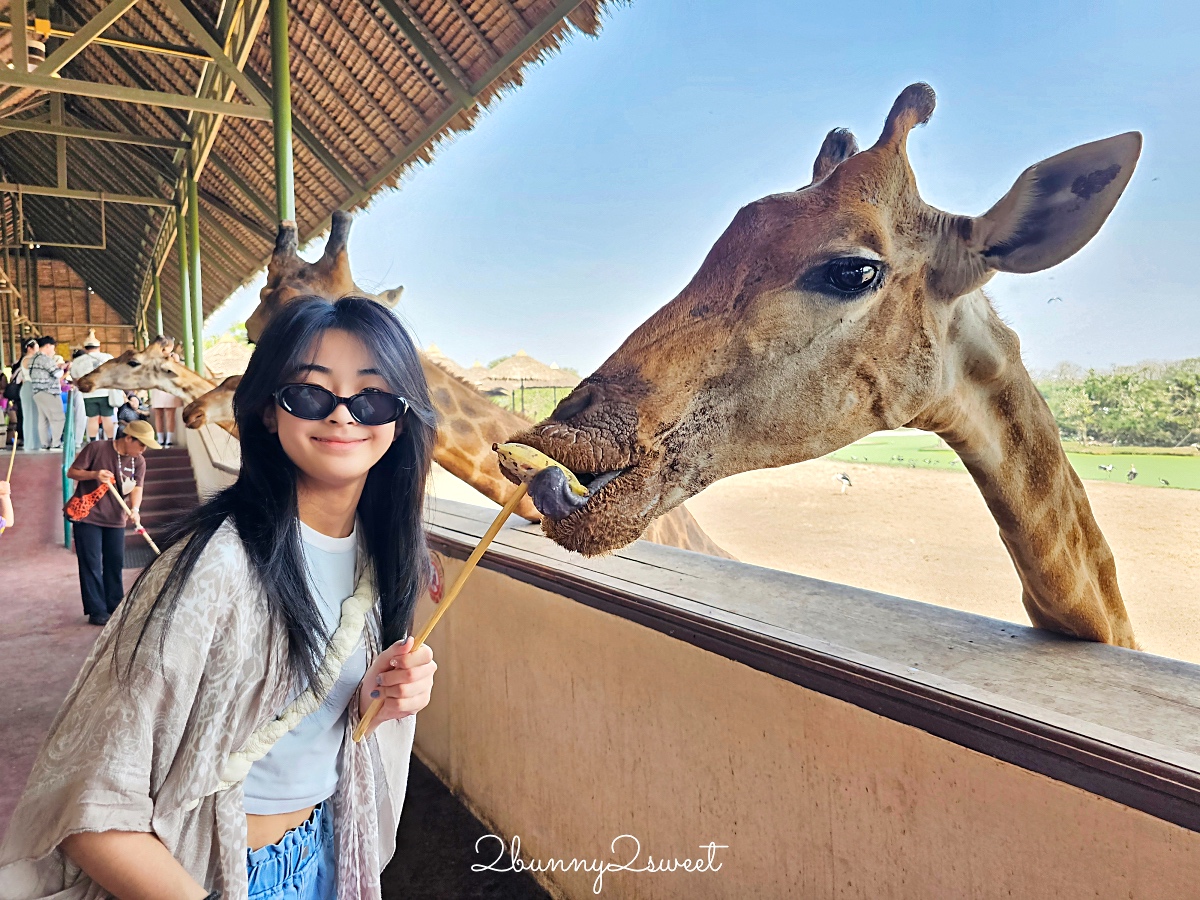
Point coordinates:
[(132, 410), (26, 409), (100, 535), (164, 406), (8, 406), (6, 507), (45, 374), (96, 405)]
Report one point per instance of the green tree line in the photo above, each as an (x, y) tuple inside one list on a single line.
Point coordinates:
[(1148, 405)]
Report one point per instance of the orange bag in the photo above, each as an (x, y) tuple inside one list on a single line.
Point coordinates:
[(77, 508)]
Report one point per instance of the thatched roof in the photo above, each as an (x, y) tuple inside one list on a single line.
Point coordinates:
[(477, 374), (434, 352), (227, 357), (377, 85), (523, 368)]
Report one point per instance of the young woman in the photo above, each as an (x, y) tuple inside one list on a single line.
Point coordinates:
[(205, 747), (30, 439)]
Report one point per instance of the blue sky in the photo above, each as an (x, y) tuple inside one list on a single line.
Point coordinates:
[(586, 199)]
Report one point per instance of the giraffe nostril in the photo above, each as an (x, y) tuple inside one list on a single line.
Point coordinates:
[(575, 403)]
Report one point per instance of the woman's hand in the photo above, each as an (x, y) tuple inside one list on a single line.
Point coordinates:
[(402, 678)]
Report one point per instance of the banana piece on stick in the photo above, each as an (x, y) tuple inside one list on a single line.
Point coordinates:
[(522, 462), (554, 489)]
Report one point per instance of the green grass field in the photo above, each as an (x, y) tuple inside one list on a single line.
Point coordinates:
[(538, 403), (927, 451)]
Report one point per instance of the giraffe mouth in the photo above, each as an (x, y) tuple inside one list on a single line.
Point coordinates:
[(552, 495), (624, 491)]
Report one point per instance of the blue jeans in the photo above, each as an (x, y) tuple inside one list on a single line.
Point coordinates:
[(300, 867)]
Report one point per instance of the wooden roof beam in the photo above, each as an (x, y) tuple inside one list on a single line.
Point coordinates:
[(312, 142), (560, 12), (476, 31), (328, 17), (240, 185), (39, 190), (430, 49), (226, 65), (516, 16), (91, 134), (124, 43), (78, 42), (245, 257), (316, 37), (256, 228), (120, 93)]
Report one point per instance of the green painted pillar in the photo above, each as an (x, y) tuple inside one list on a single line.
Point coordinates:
[(193, 229), (281, 103), (158, 325), (185, 292)]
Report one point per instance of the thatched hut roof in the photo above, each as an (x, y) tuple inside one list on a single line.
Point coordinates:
[(434, 352), (227, 357), (521, 368), (377, 86), (477, 374)]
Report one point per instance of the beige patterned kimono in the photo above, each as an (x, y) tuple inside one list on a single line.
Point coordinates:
[(147, 755)]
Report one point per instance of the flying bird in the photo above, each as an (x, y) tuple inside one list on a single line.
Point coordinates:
[(1107, 468), (1132, 473), (1055, 300), (1164, 482), (844, 479)]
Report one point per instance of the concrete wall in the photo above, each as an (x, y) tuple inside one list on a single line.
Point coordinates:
[(215, 456), (567, 727)]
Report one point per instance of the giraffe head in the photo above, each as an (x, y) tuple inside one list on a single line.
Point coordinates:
[(289, 276), (819, 316), (154, 367), (215, 407)]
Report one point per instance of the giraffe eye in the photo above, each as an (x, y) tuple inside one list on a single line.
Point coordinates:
[(133, 364), (847, 277)]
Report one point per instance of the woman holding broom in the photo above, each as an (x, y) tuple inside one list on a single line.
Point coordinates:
[(205, 748)]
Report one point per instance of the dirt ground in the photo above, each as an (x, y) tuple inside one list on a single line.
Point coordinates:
[(928, 536)]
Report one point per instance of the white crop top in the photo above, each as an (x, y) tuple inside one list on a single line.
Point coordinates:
[(302, 768)]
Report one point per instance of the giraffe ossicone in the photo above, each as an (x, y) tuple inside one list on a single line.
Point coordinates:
[(846, 307)]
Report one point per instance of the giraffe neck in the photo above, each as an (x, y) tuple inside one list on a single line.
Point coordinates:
[(185, 383), (996, 420), (468, 424)]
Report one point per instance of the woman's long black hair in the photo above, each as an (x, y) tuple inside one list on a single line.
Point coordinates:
[(262, 504)]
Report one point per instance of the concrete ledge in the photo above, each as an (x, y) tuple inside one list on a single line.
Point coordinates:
[(1116, 723)]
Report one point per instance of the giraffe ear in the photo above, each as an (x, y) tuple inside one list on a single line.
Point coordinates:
[(839, 145), (390, 298), (1056, 206), (1053, 210)]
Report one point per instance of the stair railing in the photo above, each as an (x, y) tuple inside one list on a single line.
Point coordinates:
[(68, 456)]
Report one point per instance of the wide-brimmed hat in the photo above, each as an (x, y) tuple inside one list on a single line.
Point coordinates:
[(91, 340), (143, 432)]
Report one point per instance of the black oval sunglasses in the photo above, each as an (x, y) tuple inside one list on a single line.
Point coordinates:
[(313, 402)]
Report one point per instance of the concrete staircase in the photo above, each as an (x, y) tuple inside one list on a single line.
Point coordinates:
[(169, 495)]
